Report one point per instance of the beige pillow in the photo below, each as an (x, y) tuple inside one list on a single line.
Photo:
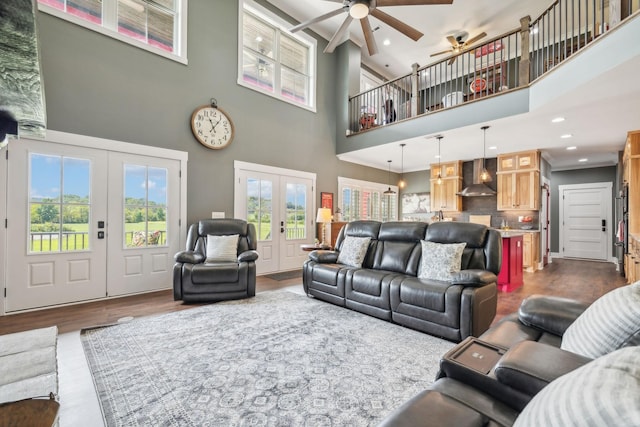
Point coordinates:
[(222, 248), (440, 260), (353, 251)]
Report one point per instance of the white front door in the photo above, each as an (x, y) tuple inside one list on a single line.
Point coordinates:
[(56, 220), (279, 203), (144, 232), (585, 212)]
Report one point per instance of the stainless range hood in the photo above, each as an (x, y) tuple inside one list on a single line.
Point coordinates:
[(478, 188)]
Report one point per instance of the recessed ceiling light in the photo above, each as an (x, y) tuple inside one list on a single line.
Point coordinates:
[(573, 147), (258, 39), (583, 160), (493, 147), (566, 135), (386, 42), (436, 156), (557, 120)]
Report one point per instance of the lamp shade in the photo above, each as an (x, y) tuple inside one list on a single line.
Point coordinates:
[(324, 216)]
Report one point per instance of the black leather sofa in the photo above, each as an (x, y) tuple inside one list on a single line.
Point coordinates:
[(527, 358), (387, 285)]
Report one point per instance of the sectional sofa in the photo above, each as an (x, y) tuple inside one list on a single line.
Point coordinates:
[(437, 278)]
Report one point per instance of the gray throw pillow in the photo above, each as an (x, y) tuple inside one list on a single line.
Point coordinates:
[(605, 392), (222, 248), (353, 251), (610, 323), (440, 260)]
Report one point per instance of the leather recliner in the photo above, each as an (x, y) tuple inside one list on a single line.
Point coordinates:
[(196, 280)]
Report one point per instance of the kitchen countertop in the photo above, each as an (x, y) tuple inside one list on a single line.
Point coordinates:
[(514, 231)]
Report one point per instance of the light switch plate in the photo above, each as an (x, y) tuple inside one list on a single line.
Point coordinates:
[(217, 214)]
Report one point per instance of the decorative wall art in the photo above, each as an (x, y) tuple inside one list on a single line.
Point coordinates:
[(416, 206)]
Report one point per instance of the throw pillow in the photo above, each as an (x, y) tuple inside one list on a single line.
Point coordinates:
[(353, 251), (611, 322), (440, 260), (222, 248), (605, 392)]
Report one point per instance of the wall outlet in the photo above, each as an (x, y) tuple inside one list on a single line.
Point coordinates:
[(217, 214)]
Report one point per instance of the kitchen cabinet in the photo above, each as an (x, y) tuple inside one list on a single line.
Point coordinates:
[(530, 244), (631, 178), (518, 178), (444, 196), (510, 276)]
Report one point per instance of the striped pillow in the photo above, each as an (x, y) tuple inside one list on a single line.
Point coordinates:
[(605, 392), (610, 323), (222, 248)]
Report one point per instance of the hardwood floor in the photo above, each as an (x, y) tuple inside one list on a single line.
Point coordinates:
[(581, 280)]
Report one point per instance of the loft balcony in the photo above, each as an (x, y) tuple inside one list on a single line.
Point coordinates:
[(502, 69)]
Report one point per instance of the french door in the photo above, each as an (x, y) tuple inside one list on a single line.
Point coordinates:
[(86, 223), (56, 221), (280, 204)]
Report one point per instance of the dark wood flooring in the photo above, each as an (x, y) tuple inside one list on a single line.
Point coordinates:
[(581, 280)]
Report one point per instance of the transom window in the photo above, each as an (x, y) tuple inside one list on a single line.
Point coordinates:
[(155, 25), (360, 200), (274, 61)]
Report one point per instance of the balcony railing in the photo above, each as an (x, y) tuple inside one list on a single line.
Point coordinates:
[(504, 63)]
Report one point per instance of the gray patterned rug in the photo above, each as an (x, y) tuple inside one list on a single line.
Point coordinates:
[(279, 359)]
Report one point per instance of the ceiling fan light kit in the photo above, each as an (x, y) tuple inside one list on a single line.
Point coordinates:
[(361, 9)]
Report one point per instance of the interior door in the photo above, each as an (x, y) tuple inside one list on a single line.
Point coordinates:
[(144, 229), (56, 224), (586, 219)]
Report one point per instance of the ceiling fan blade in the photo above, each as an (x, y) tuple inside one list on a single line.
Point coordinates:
[(472, 40), (331, 14), (412, 2), (405, 29), (453, 41), (339, 35), (368, 36), (440, 53), (452, 60)]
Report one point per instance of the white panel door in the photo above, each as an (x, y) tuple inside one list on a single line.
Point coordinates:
[(281, 208), (144, 229), (56, 224), (586, 219), (296, 224)]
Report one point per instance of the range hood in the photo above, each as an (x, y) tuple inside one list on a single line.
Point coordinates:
[(478, 188)]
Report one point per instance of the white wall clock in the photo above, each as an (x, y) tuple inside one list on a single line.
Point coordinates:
[(212, 126)]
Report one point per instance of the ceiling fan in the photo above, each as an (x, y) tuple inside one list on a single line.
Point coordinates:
[(361, 9), (459, 44)]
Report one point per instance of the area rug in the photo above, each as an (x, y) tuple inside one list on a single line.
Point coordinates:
[(279, 359)]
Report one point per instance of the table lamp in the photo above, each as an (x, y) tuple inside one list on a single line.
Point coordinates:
[(323, 217)]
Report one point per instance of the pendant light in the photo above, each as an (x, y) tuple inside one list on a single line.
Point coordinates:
[(389, 191), (439, 178), (402, 183), (484, 174)]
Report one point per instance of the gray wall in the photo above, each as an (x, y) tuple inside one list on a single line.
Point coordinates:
[(581, 176), (101, 87)]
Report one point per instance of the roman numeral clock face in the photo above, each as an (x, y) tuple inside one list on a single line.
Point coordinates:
[(212, 127)]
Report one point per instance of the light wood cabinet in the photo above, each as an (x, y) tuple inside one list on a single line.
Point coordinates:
[(530, 243), (518, 178), (444, 196), (631, 177)]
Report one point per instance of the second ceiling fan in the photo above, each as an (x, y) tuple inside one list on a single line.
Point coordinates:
[(459, 44), (361, 9)]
